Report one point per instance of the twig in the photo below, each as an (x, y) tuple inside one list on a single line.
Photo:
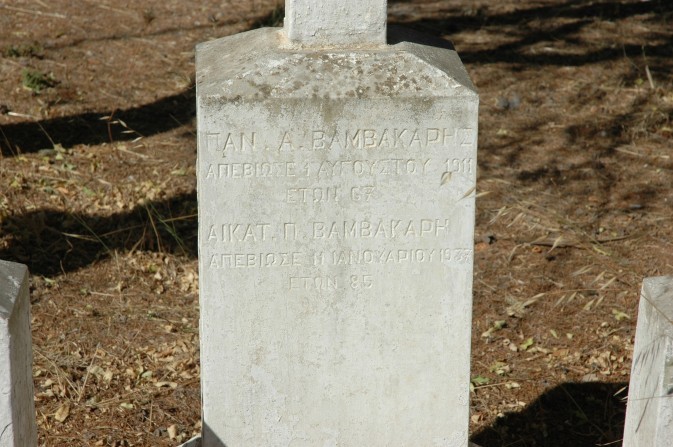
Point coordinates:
[(154, 228), (492, 385), (649, 76), (34, 12), (560, 242), (21, 115), (120, 11), (579, 408), (59, 372), (119, 148), (88, 372)]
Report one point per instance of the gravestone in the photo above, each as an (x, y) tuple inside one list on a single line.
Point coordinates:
[(17, 409), (336, 179), (649, 410)]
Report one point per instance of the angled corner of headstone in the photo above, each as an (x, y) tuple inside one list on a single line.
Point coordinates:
[(649, 409), (658, 290), (436, 52), (17, 408), (13, 277)]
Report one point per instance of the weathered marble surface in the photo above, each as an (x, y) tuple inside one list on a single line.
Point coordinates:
[(353, 23), (17, 410), (649, 415), (336, 218)]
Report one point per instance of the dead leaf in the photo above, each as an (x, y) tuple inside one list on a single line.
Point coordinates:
[(63, 412), (527, 344), (619, 315)]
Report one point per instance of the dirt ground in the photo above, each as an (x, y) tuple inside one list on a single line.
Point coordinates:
[(97, 197)]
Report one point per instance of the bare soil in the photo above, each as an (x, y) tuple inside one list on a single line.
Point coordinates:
[(98, 199)]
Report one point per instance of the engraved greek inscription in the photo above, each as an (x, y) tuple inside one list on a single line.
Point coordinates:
[(399, 256), (460, 165), (290, 232), (364, 168), (313, 195), (286, 142), (239, 142), (434, 136), (353, 138), (456, 255), (362, 193), (252, 170), (234, 232), (313, 282), (361, 281), (416, 140), (369, 139), (466, 137), (360, 139), (385, 138), (353, 257), (213, 141), (452, 256), (382, 229), (255, 260), (318, 258), (318, 141)]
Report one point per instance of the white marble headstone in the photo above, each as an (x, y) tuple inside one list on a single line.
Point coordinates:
[(649, 410), (336, 217), (17, 410)]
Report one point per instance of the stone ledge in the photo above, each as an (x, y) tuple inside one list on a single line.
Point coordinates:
[(196, 442)]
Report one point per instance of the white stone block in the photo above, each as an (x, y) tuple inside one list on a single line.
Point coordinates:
[(649, 411), (336, 217), (17, 409), (330, 23)]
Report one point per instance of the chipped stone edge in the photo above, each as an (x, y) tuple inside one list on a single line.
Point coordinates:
[(194, 442)]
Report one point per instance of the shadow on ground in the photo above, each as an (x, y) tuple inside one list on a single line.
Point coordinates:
[(107, 126), (44, 240), (569, 415), (94, 128), (565, 20), (52, 242)]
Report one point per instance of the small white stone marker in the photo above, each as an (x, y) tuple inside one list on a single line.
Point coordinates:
[(336, 179), (17, 410), (649, 410)]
